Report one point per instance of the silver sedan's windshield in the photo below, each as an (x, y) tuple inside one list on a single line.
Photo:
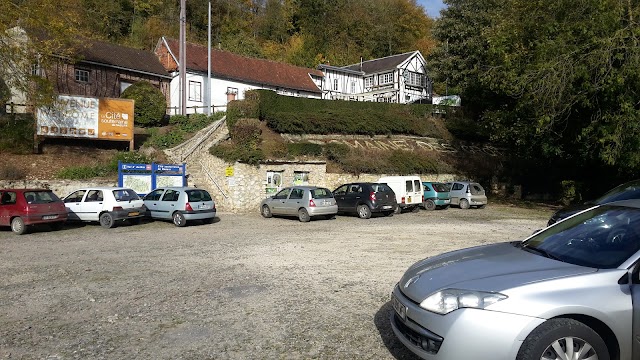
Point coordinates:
[(602, 237)]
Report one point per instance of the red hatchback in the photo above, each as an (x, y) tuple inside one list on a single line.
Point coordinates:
[(20, 208)]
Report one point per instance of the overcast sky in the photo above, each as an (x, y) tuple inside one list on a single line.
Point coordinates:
[(432, 6)]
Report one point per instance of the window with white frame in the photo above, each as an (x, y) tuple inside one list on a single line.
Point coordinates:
[(368, 81), (353, 87), (82, 75), (384, 79), (195, 91), (415, 79), (335, 84)]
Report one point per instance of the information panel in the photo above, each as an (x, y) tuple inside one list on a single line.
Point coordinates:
[(87, 117)]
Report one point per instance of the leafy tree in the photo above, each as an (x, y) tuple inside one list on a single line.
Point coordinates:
[(150, 104), (35, 33), (555, 81)]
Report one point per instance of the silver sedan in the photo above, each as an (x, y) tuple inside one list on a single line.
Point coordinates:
[(304, 202), (570, 291)]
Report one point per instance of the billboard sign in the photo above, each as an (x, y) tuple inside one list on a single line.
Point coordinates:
[(87, 117)]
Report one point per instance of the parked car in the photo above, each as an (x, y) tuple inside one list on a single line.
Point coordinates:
[(408, 190), (365, 198), (466, 194), (21, 208), (302, 201), (628, 190), (106, 205), (436, 195), (181, 205), (570, 291)]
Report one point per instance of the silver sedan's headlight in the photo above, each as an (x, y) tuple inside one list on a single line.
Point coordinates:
[(448, 300)]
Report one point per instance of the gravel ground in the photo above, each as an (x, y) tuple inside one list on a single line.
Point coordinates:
[(242, 288)]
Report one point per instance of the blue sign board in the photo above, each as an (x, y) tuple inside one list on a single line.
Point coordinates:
[(143, 178)]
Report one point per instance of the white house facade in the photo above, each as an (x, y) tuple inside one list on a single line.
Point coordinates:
[(231, 76), (399, 79)]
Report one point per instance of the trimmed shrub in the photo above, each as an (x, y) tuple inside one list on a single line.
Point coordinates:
[(150, 103), (243, 147), (246, 133), (231, 153), (247, 108)]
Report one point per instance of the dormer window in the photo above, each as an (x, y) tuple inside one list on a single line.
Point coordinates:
[(82, 75)]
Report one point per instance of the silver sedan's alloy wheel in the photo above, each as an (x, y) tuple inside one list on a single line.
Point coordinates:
[(569, 348), (303, 215), (18, 226), (464, 204), (565, 339), (178, 219), (106, 220), (266, 212)]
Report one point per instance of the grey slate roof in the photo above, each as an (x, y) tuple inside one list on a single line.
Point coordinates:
[(381, 64)]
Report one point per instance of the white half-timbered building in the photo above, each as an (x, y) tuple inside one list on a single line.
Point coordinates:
[(399, 79)]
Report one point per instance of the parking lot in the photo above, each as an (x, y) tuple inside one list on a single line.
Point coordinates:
[(243, 287)]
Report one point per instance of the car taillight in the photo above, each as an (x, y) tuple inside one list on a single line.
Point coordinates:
[(422, 198), (188, 207), (117, 208), (311, 203), (372, 196), (403, 200)]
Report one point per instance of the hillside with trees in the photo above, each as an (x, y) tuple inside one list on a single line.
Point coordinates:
[(554, 82)]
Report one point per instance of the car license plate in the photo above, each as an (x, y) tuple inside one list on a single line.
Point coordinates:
[(387, 207), (409, 200), (49, 217), (400, 309), (135, 213), (447, 201), (203, 206)]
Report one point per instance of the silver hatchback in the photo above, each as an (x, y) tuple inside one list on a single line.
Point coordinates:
[(570, 291), (304, 202), (466, 194), (180, 204)]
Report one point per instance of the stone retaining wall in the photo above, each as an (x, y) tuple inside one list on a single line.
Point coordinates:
[(241, 187)]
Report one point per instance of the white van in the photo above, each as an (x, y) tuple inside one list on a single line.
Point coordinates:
[(408, 190)]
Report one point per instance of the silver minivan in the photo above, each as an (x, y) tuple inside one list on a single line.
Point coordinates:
[(304, 202), (466, 194)]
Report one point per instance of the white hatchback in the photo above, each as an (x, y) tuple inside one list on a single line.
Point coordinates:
[(107, 205)]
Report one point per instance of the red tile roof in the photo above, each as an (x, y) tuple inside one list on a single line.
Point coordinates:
[(259, 72)]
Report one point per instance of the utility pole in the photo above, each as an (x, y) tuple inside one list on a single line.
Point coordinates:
[(183, 58), (208, 92)]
